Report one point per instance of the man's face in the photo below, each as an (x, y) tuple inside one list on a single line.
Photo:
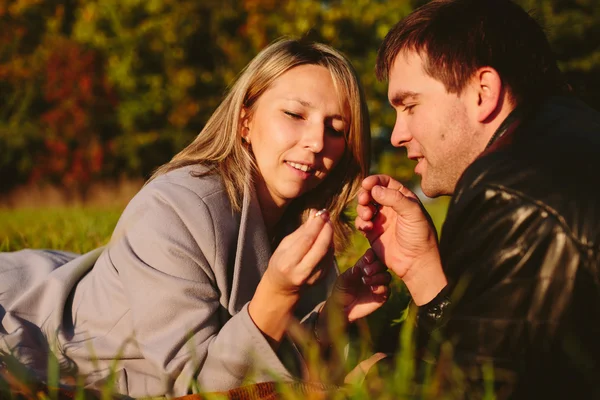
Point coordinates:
[(436, 127)]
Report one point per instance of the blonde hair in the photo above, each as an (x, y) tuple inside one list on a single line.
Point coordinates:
[(219, 145)]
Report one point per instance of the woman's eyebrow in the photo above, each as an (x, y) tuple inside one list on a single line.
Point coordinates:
[(303, 102), (310, 105)]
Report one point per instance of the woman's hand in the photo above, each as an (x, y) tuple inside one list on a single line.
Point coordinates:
[(362, 289), (294, 264), (357, 292), (297, 260)]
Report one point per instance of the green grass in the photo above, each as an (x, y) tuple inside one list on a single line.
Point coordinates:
[(72, 229), (82, 229)]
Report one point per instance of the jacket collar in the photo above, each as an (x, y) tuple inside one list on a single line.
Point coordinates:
[(253, 252), (507, 127)]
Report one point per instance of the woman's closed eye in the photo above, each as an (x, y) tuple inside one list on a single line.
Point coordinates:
[(293, 115), (335, 132)]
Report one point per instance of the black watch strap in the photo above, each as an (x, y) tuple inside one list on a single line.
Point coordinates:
[(432, 315)]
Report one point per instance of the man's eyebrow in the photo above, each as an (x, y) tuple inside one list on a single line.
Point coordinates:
[(399, 98)]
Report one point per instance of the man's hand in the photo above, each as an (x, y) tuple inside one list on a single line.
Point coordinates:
[(401, 234)]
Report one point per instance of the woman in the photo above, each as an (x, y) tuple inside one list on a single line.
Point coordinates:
[(188, 293)]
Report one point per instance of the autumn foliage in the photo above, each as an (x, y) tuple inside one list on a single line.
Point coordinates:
[(76, 126), (100, 89)]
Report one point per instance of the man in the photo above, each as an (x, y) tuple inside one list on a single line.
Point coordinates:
[(515, 280)]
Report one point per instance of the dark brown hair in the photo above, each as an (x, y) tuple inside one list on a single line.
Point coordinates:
[(457, 37)]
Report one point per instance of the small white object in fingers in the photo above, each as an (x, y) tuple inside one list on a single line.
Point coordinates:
[(320, 212)]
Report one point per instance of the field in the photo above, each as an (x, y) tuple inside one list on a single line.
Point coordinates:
[(80, 229)]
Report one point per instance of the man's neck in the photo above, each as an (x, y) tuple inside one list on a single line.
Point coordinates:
[(500, 119), (509, 123)]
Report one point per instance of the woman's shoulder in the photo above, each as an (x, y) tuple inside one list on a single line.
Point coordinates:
[(197, 179), (190, 191), (192, 194)]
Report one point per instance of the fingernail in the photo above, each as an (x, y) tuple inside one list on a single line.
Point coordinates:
[(364, 280), (368, 271), (373, 288), (368, 257), (324, 214)]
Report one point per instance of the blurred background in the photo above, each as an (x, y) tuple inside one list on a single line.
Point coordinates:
[(95, 94)]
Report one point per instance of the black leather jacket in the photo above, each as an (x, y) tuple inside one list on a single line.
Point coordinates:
[(520, 247)]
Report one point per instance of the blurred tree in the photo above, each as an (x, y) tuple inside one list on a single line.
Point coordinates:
[(122, 85), (573, 27), (55, 119), (22, 29), (78, 125), (170, 62)]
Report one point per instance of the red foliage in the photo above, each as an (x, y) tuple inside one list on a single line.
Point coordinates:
[(80, 103)]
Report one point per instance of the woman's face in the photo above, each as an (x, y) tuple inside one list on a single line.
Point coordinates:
[(297, 131)]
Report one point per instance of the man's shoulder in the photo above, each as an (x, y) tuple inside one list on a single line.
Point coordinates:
[(565, 115), (554, 151), (549, 164)]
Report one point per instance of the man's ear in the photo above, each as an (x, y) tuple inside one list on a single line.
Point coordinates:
[(490, 93)]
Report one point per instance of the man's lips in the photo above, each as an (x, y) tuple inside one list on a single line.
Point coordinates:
[(415, 157), (418, 158)]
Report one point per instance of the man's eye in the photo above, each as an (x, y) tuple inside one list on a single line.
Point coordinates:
[(293, 115), (409, 108)]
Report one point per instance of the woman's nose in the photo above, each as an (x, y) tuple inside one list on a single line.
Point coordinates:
[(314, 138)]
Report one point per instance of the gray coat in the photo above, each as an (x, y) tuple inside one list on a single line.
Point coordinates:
[(167, 298)]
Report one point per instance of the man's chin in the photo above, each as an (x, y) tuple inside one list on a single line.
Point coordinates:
[(429, 190)]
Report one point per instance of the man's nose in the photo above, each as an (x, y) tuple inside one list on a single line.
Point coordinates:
[(400, 134)]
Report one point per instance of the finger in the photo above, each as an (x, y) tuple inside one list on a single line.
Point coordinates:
[(351, 277), (369, 257), (314, 276), (374, 268), (380, 180), (401, 201), (381, 292), (382, 278), (319, 248), (367, 212), (362, 225), (365, 260), (297, 244), (364, 197), (369, 263)]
